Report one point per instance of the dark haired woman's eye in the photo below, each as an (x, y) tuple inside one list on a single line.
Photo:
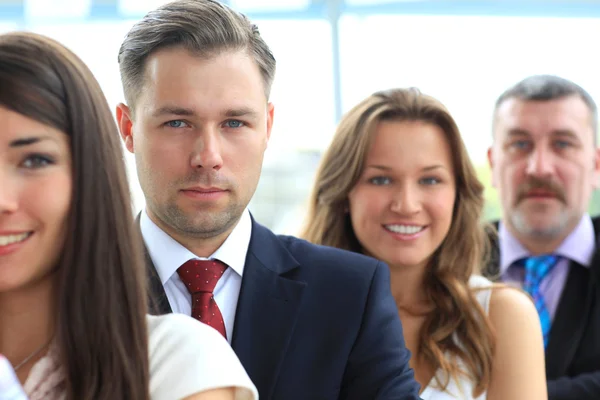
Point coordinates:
[(35, 161)]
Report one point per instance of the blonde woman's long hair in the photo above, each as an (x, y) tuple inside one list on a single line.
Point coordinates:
[(457, 316)]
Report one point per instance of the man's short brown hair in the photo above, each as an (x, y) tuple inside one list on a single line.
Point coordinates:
[(203, 27)]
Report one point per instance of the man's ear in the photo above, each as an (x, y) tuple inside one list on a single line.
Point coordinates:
[(125, 124), (490, 157), (270, 114), (596, 183)]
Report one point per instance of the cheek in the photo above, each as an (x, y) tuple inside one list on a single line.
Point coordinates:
[(442, 209), (362, 221), (510, 173), (572, 171), (153, 142), (53, 201), (243, 152), (160, 152), (243, 161), (577, 180), (511, 177), (46, 205), (366, 208), (162, 163)]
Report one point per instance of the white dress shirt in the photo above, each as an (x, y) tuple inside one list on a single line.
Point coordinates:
[(168, 255)]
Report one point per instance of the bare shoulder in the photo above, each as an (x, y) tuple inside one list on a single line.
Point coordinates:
[(512, 307), (517, 328), (518, 370)]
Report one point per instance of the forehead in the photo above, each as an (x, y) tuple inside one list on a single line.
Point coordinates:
[(17, 126), (542, 118), (174, 76), (409, 144)]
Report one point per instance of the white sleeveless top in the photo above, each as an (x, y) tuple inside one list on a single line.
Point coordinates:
[(461, 389), (189, 357)]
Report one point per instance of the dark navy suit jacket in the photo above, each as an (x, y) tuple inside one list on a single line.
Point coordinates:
[(315, 323)]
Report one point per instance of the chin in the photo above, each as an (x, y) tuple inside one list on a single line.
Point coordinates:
[(11, 284), (406, 262)]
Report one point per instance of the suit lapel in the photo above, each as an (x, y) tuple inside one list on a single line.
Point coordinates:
[(267, 309), (573, 313), (158, 303), (569, 322)]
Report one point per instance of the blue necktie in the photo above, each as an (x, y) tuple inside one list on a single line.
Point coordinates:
[(536, 269)]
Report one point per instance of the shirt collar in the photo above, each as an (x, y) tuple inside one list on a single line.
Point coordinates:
[(168, 255), (579, 246)]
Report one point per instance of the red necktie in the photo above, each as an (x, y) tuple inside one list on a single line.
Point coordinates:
[(200, 278)]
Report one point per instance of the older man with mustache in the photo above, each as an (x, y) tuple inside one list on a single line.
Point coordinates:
[(545, 165)]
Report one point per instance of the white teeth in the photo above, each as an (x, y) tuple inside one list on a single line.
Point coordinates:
[(10, 239), (404, 229)]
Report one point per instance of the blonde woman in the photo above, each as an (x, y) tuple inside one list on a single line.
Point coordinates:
[(397, 184)]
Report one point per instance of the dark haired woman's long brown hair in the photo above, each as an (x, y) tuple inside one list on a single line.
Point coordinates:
[(456, 311), (101, 299)]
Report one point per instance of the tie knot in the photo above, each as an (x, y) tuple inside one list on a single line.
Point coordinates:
[(201, 275), (541, 261), (537, 268)]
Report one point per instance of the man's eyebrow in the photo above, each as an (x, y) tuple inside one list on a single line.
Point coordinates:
[(518, 132), (188, 112), (565, 133), (241, 112), (171, 110)]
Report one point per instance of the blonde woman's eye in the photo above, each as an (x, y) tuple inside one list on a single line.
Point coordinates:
[(380, 180)]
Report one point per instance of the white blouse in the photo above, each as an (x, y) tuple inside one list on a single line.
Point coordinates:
[(188, 357)]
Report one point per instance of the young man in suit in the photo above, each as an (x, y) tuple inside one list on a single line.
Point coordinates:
[(307, 322), (545, 165)]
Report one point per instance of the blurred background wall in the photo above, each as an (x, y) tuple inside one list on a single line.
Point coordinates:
[(332, 53)]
